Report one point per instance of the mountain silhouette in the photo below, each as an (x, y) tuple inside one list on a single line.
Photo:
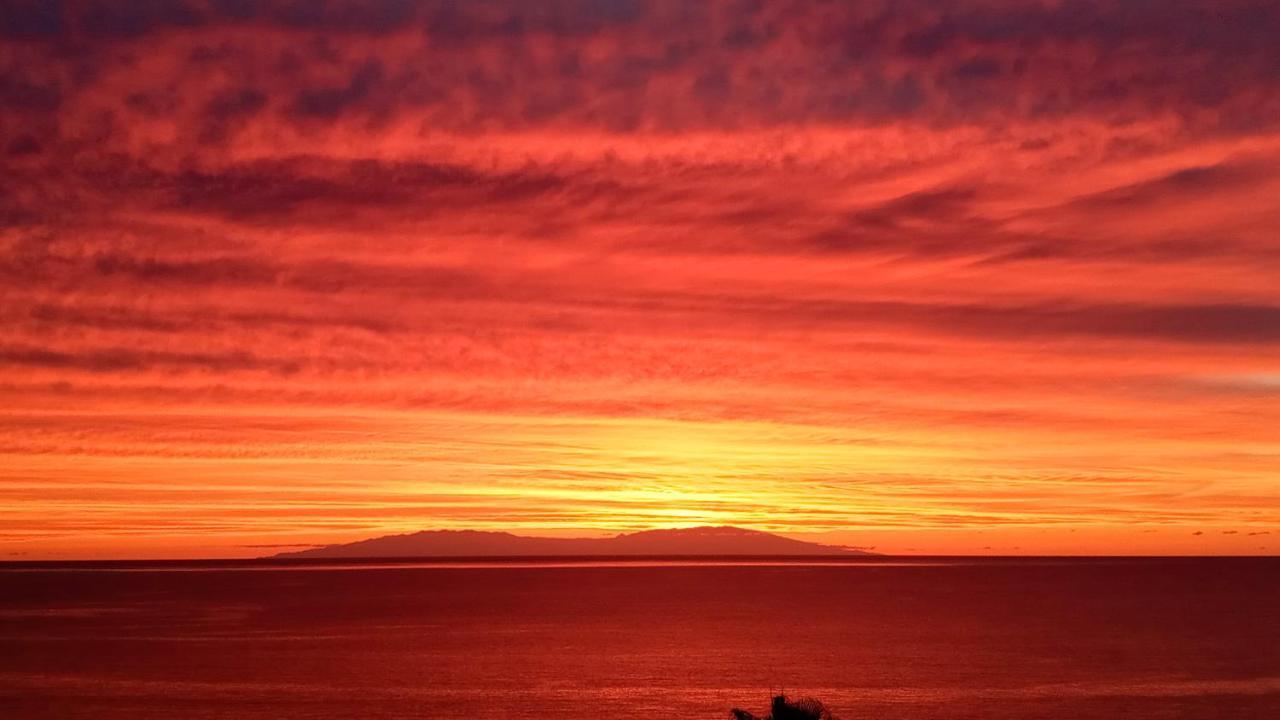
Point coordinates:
[(473, 543)]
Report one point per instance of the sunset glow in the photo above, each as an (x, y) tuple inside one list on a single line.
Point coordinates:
[(911, 276)]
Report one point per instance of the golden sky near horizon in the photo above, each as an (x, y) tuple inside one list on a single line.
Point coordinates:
[(919, 276)]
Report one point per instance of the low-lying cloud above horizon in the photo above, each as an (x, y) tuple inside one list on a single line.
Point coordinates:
[(282, 273)]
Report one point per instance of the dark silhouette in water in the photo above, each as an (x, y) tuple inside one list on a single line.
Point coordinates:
[(784, 708)]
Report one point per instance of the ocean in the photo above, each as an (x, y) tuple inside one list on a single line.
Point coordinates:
[(881, 639)]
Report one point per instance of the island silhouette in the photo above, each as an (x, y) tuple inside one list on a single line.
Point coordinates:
[(695, 541)]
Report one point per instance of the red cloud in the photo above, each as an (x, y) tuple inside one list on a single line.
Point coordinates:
[(911, 264)]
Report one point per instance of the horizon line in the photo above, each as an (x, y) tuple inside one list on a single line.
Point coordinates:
[(828, 558)]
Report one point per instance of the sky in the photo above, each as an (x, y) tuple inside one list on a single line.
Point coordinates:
[(923, 277)]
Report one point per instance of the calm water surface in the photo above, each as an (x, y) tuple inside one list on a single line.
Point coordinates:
[(992, 639)]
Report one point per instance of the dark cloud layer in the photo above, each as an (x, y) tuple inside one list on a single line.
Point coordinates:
[(630, 65)]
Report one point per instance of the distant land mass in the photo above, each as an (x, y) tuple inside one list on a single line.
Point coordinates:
[(474, 543)]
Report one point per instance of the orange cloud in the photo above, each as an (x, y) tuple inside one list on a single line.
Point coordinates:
[(283, 273)]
